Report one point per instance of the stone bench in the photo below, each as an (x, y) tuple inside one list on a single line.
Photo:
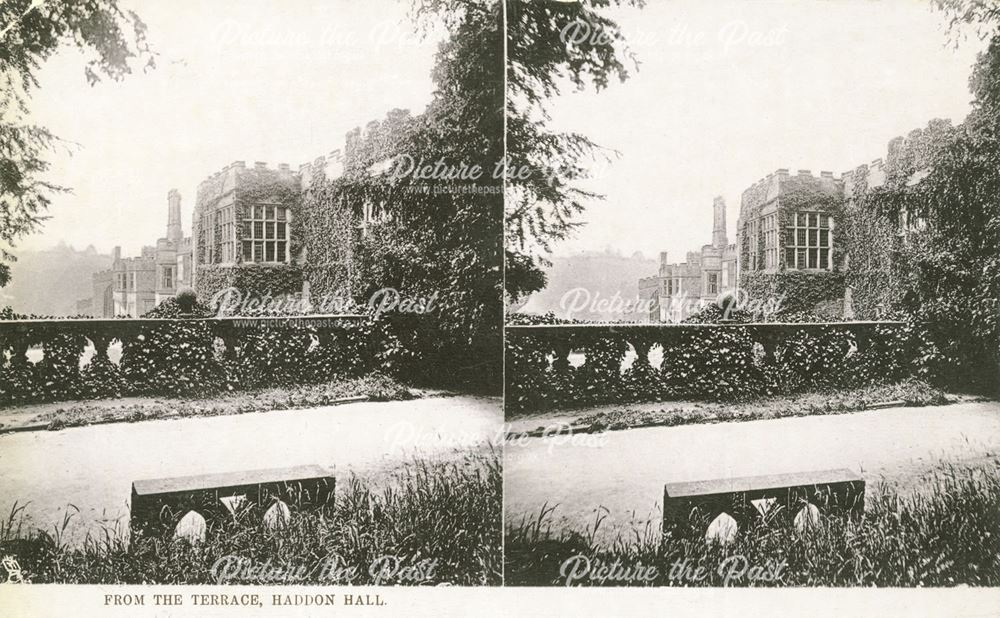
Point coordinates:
[(689, 507), (159, 504)]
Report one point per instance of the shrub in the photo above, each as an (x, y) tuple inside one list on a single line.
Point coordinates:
[(717, 364), (186, 299), (185, 304), (174, 359)]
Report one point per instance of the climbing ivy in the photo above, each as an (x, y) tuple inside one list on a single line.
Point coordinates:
[(258, 280), (798, 291), (329, 234), (250, 187)]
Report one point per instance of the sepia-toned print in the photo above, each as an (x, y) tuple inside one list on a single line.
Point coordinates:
[(239, 342), (752, 311), (449, 307)]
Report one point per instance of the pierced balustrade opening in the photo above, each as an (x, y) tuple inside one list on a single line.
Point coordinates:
[(71, 359), (720, 509), (624, 363), (723, 529), (191, 507)]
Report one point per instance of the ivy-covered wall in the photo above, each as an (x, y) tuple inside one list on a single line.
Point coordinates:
[(816, 293), (330, 238), (184, 357), (805, 291), (870, 240), (250, 279), (714, 362), (873, 236), (242, 188), (333, 209)]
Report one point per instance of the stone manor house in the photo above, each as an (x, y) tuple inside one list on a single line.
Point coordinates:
[(243, 232), (787, 235), (135, 285), (680, 289)]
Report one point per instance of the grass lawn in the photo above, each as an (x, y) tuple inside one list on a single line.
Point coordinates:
[(376, 387), (838, 401), (946, 534), (432, 522)]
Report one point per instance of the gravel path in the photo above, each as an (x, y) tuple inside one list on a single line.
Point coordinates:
[(624, 471), (93, 468)]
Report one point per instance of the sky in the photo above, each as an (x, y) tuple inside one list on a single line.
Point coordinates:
[(727, 91), (252, 80), (730, 91)]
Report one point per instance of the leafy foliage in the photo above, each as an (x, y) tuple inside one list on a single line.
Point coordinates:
[(184, 358), (258, 281), (439, 237), (175, 359), (30, 32), (551, 46), (712, 363), (171, 308), (951, 287), (57, 375), (798, 291)]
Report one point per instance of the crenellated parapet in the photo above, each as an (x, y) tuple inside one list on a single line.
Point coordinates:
[(863, 177), (377, 142), (226, 180), (329, 166), (770, 186), (360, 145)]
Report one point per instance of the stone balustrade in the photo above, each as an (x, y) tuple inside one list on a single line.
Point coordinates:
[(64, 342), (16, 336), (557, 365)]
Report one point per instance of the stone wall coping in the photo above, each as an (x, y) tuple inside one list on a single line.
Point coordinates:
[(698, 326), (225, 480), (112, 324), (762, 482)]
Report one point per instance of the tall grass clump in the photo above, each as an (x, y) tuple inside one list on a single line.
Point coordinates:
[(429, 523), (943, 534)]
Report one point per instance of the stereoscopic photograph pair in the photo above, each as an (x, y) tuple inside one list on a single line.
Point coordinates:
[(499, 293)]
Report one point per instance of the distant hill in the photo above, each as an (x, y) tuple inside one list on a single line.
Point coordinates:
[(51, 281), (585, 286)]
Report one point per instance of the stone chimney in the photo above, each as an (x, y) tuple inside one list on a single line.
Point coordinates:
[(174, 233), (719, 240)]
